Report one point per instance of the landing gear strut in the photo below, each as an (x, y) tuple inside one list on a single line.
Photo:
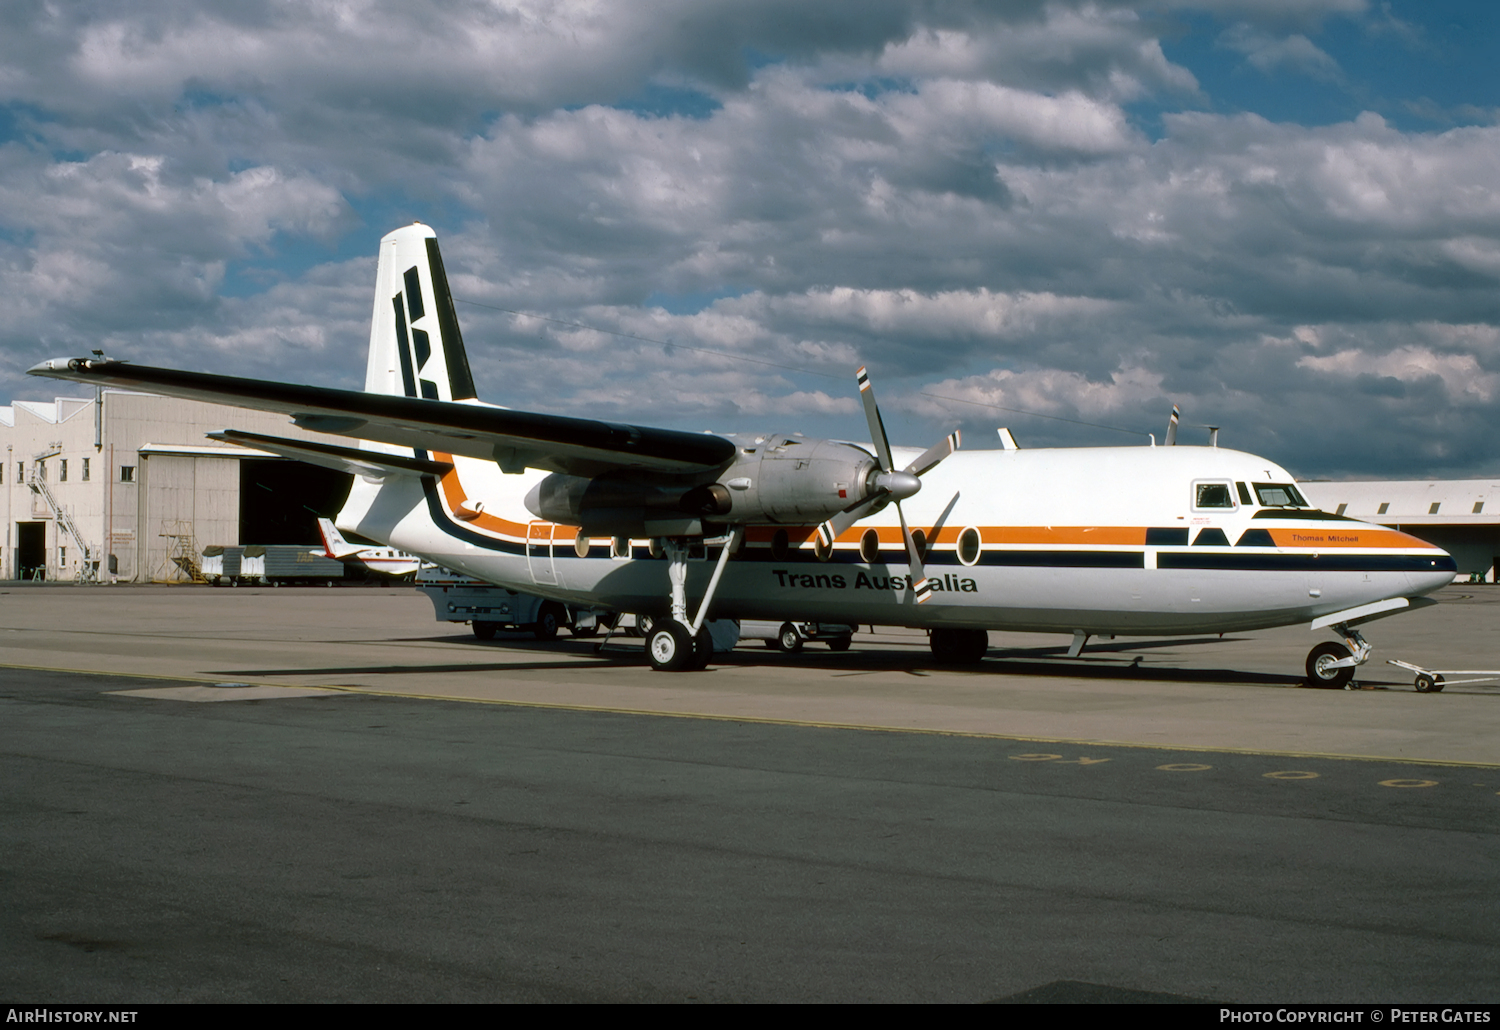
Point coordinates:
[(1331, 664), (675, 645)]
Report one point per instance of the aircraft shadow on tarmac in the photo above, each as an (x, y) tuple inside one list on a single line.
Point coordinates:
[(1103, 661)]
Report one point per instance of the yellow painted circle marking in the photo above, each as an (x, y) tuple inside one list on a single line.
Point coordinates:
[(1183, 767), (1033, 758), (1291, 774), (1408, 783)]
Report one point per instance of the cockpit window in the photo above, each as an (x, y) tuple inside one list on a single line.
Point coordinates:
[(1212, 495), (1280, 495)]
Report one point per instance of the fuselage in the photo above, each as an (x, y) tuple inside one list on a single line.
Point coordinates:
[(1140, 541)]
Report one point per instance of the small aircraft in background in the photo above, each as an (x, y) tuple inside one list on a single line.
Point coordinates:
[(1090, 541), (385, 560)]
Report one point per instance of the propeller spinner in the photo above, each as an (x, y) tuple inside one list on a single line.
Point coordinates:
[(890, 485)]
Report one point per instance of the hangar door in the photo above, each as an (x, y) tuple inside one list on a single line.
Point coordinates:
[(31, 549), (281, 501)]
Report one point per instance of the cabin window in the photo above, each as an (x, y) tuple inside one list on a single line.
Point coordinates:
[(869, 547), (1280, 495), (619, 547), (1212, 495), (968, 546)]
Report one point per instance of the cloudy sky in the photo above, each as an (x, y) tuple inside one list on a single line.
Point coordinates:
[(1283, 215)]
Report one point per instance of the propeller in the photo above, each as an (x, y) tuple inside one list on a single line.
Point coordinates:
[(889, 485)]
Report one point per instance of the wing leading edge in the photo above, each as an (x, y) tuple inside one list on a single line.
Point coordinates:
[(514, 439)]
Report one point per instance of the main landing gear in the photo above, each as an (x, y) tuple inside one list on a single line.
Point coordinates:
[(675, 645), (1332, 664)]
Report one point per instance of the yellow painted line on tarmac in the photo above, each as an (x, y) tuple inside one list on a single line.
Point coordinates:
[(808, 723)]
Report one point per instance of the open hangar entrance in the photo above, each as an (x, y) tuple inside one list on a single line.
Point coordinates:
[(281, 501)]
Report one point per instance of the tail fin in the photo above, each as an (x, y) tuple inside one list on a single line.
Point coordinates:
[(416, 349), (333, 541)]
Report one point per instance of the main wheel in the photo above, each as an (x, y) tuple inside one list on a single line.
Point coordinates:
[(484, 630), (959, 646), (1319, 662), (670, 647), (549, 618), (703, 650), (788, 640)]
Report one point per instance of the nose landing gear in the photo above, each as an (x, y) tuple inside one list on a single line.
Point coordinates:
[(1332, 664)]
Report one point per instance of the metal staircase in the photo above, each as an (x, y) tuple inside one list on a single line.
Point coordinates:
[(89, 571)]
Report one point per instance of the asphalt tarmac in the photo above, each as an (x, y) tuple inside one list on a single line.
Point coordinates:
[(323, 795)]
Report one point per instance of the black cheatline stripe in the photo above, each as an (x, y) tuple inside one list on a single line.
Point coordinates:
[(460, 379), (443, 521), (423, 345), (1306, 562), (414, 293), (1066, 559), (949, 559), (1310, 514), (408, 378)]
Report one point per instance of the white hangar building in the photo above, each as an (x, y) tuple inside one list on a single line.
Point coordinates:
[(113, 489)]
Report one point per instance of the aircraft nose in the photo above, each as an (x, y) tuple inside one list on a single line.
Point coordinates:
[(1435, 566)]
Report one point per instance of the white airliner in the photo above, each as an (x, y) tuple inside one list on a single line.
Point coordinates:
[(1087, 541), (385, 560)]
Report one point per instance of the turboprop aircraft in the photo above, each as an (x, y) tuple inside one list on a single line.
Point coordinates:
[(1083, 541), (385, 560)]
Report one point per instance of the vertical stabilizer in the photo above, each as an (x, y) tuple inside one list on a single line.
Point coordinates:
[(334, 544), (416, 349)]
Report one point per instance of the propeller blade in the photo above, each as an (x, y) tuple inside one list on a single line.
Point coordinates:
[(877, 427), (830, 530), (934, 454), (1171, 439), (920, 586)]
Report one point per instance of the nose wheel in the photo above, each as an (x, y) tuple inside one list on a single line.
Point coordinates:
[(1332, 664), (1323, 669)]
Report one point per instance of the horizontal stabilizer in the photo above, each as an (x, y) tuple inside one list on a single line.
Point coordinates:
[(344, 459)]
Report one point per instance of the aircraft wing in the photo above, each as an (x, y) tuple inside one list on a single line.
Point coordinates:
[(513, 439)]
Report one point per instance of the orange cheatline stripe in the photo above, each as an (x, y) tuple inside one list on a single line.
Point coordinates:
[(1325, 538), (890, 536)]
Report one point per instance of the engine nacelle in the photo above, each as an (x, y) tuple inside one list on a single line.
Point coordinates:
[(772, 480), (791, 480)]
